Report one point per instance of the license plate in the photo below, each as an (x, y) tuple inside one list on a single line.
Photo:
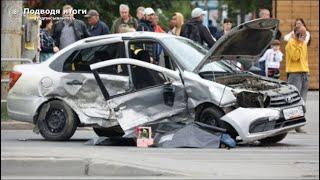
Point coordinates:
[(292, 113)]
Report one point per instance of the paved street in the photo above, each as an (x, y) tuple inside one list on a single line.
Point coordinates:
[(25, 154)]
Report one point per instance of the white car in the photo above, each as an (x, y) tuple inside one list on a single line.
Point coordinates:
[(108, 82)]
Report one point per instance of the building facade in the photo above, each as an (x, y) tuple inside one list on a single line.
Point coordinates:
[(287, 11)]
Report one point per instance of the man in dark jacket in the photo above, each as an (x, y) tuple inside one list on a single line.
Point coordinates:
[(265, 14), (213, 30), (69, 30), (97, 27), (125, 18), (195, 30), (145, 24)]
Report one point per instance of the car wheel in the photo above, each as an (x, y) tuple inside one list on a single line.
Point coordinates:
[(273, 139), (60, 121), (211, 116), (108, 132)]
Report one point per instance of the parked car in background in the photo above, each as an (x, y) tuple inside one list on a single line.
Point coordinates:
[(108, 82)]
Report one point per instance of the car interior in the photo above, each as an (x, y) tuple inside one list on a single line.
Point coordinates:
[(81, 60)]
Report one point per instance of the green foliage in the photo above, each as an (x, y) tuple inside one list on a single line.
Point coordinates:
[(244, 6), (4, 112), (109, 9)]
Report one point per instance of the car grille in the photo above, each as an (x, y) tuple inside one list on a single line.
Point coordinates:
[(284, 99), (266, 125)]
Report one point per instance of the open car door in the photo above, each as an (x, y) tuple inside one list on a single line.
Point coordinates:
[(154, 94)]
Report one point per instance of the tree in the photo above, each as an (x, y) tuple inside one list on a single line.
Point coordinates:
[(243, 7), (109, 9)]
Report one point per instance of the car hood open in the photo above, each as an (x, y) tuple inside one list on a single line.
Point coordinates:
[(245, 42)]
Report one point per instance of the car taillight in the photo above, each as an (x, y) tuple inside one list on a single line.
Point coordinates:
[(13, 78)]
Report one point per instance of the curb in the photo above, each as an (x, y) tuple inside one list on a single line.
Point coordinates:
[(17, 125), (51, 166)]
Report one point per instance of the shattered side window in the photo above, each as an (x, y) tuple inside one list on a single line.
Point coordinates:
[(81, 60)]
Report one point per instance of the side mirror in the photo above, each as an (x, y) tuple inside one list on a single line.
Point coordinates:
[(168, 94)]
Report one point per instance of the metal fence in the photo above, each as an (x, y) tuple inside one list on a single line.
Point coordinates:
[(8, 60)]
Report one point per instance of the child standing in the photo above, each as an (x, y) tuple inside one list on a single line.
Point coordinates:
[(272, 58)]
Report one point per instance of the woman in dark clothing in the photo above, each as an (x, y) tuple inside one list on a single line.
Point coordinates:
[(227, 26), (48, 47)]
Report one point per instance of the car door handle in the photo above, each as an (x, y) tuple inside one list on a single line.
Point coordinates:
[(74, 82)]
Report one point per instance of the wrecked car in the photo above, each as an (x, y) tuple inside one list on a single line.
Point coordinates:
[(102, 82)]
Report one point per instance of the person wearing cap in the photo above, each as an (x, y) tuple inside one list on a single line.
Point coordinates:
[(69, 30), (226, 28), (272, 58), (125, 18), (145, 24), (195, 30), (97, 27)]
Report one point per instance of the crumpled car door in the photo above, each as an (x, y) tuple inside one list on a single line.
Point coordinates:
[(145, 105), (81, 91)]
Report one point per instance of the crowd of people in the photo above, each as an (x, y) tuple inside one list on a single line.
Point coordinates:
[(70, 30)]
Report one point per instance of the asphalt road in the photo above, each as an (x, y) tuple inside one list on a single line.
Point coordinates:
[(26, 155)]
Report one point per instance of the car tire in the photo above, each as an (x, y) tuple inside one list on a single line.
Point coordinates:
[(211, 116), (108, 132), (273, 139), (60, 122), (215, 114)]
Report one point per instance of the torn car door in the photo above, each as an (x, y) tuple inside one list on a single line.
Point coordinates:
[(156, 93)]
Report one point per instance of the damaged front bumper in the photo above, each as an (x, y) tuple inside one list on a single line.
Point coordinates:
[(258, 123)]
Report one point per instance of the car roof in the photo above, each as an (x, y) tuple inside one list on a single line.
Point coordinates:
[(137, 34)]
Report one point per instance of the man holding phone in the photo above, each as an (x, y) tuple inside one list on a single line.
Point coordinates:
[(297, 62)]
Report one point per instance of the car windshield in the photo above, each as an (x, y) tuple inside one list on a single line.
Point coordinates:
[(215, 66), (187, 53), (190, 54)]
